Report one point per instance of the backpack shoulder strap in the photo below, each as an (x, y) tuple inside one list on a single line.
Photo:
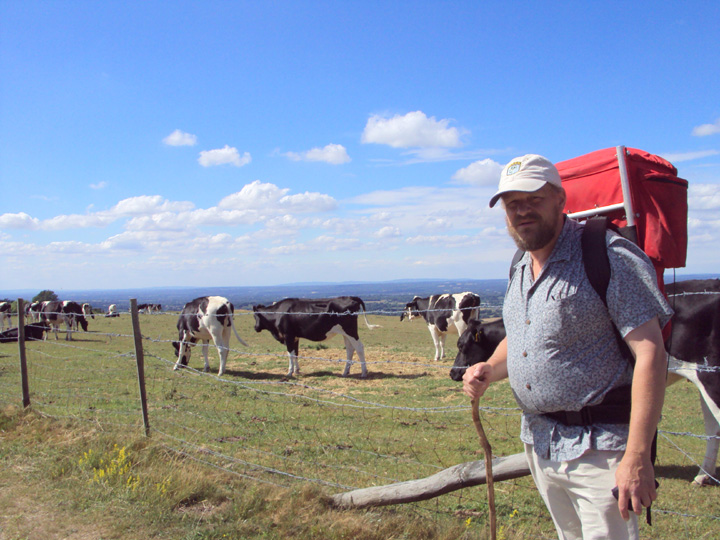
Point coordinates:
[(595, 257), (597, 268), (516, 259)]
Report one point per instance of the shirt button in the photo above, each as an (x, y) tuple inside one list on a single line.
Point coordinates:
[(527, 322), (528, 386), (525, 354)]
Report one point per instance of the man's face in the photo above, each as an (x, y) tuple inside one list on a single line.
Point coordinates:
[(534, 219)]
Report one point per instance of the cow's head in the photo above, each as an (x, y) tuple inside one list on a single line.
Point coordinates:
[(260, 319), (411, 310), (473, 347), (186, 352), (82, 322)]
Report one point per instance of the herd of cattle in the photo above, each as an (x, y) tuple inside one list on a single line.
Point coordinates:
[(693, 347)]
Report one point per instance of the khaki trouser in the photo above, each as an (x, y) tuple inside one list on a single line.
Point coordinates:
[(577, 494)]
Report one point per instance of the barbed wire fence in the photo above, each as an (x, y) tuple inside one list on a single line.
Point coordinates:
[(407, 421)]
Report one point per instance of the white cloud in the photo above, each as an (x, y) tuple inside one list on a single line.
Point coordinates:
[(485, 172), (99, 185), (689, 156), (272, 199), (704, 197), (180, 138), (413, 130), (388, 232), (20, 220), (396, 196), (223, 156), (148, 204), (707, 129), (335, 154), (252, 196)]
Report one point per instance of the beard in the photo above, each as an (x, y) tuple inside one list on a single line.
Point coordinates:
[(537, 238)]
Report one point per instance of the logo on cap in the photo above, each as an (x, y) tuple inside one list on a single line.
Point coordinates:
[(513, 168)]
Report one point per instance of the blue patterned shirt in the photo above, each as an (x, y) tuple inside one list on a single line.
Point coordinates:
[(562, 351)]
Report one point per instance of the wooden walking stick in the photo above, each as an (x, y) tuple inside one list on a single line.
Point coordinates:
[(488, 466)]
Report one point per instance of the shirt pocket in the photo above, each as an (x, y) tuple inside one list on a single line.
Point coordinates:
[(564, 319)]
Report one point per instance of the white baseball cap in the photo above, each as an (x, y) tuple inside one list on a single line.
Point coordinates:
[(526, 173)]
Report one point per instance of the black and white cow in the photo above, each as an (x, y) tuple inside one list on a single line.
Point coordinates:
[(693, 348), (56, 312), (204, 319), (292, 319), (149, 308), (33, 332), (35, 310), (440, 310), (87, 310), (476, 344), (5, 314), (112, 311)]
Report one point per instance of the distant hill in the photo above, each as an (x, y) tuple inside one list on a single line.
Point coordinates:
[(390, 296)]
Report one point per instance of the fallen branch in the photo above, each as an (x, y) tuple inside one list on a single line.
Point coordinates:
[(457, 477)]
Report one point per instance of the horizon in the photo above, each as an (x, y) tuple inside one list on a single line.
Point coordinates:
[(289, 141), (5, 292)]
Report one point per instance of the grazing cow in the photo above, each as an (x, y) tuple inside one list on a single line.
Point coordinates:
[(5, 314), (476, 344), (440, 310), (33, 332), (149, 308), (291, 319), (54, 313), (112, 311), (693, 348), (69, 308), (203, 319), (87, 310)]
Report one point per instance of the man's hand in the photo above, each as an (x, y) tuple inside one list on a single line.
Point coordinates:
[(635, 479), (477, 379)]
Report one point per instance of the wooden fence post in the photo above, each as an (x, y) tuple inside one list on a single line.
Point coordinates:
[(140, 361), (21, 350)]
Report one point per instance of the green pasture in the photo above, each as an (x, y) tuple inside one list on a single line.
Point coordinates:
[(255, 429)]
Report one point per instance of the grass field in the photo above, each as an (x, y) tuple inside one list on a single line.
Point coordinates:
[(255, 455)]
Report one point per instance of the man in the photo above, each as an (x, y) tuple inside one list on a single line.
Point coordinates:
[(561, 355)]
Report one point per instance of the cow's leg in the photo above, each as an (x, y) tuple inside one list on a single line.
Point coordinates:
[(439, 341), (205, 347), (293, 349), (355, 345), (223, 347), (434, 333), (711, 416), (181, 353), (707, 475)]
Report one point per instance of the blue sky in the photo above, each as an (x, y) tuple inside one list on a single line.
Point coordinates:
[(253, 143)]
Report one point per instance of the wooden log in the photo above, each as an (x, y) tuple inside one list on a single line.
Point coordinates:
[(457, 477)]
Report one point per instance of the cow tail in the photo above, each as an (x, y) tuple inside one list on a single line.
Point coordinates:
[(370, 326), (232, 323)]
